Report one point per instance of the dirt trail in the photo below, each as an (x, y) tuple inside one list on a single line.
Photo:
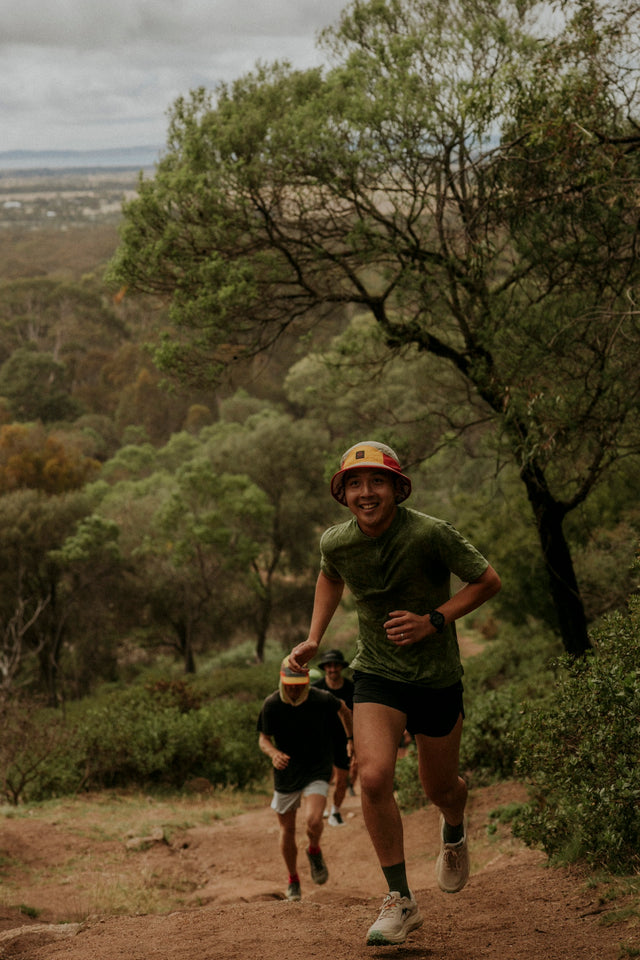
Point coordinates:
[(513, 908)]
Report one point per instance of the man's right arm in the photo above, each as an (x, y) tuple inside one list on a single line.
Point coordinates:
[(328, 595), (277, 757)]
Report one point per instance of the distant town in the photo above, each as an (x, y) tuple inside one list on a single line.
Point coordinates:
[(23, 161)]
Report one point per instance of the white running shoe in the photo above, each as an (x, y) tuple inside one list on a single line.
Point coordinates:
[(398, 917), (452, 865), (335, 820)]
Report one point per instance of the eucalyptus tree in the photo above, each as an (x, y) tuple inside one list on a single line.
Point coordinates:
[(284, 458), (467, 172), (34, 611)]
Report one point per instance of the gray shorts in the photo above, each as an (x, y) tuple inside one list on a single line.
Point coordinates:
[(284, 802)]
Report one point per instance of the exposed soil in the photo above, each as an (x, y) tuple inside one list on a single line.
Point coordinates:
[(514, 907)]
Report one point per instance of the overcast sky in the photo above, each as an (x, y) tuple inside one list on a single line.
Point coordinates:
[(89, 74)]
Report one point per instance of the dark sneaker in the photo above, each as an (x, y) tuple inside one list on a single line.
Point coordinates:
[(452, 865), (398, 917), (319, 872), (335, 820), (293, 890)]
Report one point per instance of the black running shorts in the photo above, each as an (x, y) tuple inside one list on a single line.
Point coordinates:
[(433, 713)]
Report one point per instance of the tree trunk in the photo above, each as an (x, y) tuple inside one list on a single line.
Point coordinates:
[(185, 646), (264, 620), (557, 557)]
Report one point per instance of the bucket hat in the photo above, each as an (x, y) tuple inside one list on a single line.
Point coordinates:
[(378, 456), (332, 656)]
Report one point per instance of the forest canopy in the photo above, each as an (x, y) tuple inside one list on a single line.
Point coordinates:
[(466, 174)]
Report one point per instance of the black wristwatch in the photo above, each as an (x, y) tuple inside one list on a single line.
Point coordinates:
[(438, 620)]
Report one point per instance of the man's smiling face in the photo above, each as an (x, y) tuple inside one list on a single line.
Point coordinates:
[(371, 497)]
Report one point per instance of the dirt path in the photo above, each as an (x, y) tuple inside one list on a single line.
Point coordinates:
[(513, 908)]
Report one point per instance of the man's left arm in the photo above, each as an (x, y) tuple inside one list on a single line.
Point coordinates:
[(346, 716), (405, 628)]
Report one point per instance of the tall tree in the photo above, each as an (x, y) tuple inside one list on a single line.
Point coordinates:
[(33, 613), (284, 459), (467, 172)]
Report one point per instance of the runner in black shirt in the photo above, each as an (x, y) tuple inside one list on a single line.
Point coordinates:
[(295, 725)]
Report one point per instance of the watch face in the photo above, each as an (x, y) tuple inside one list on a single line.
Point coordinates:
[(437, 619)]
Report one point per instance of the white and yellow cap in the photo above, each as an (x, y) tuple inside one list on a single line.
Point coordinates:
[(289, 678), (378, 456)]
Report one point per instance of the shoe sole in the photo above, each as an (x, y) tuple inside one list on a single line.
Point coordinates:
[(376, 939)]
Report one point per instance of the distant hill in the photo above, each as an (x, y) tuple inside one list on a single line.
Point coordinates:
[(23, 160)]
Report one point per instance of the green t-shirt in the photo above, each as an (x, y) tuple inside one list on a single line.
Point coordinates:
[(409, 567)]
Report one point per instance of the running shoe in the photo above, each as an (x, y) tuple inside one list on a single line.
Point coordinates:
[(319, 872), (397, 918), (452, 865), (335, 820), (293, 890)]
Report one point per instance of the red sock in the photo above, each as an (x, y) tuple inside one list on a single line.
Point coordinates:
[(294, 878), (314, 849)]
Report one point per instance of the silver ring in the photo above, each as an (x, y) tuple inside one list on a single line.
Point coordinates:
[(402, 636)]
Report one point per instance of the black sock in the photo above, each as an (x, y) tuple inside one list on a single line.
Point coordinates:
[(396, 877), (452, 834)]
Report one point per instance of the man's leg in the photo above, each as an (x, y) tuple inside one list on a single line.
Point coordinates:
[(341, 777), (438, 766), (340, 789), (314, 808), (377, 730), (288, 846)]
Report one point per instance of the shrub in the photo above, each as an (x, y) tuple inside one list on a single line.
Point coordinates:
[(580, 755), (159, 731), (138, 739), (512, 669), (34, 742), (487, 751)]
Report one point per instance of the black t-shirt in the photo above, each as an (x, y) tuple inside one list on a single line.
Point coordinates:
[(304, 733), (345, 692)]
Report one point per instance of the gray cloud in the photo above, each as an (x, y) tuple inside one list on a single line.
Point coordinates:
[(83, 74)]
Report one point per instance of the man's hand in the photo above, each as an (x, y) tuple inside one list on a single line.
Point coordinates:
[(280, 760), (405, 628), (300, 656)]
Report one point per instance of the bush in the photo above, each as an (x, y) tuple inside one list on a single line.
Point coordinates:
[(511, 669), (34, 743), (487, 751), (159, 731), (139, 739), (580, 755), (514, 668)]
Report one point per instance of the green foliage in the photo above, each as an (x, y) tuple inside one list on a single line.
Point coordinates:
[(158, 731), (34, 742), (513, 668), (37, 387), (462, 176), (141, 736), (580, 753), (407, 781)]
